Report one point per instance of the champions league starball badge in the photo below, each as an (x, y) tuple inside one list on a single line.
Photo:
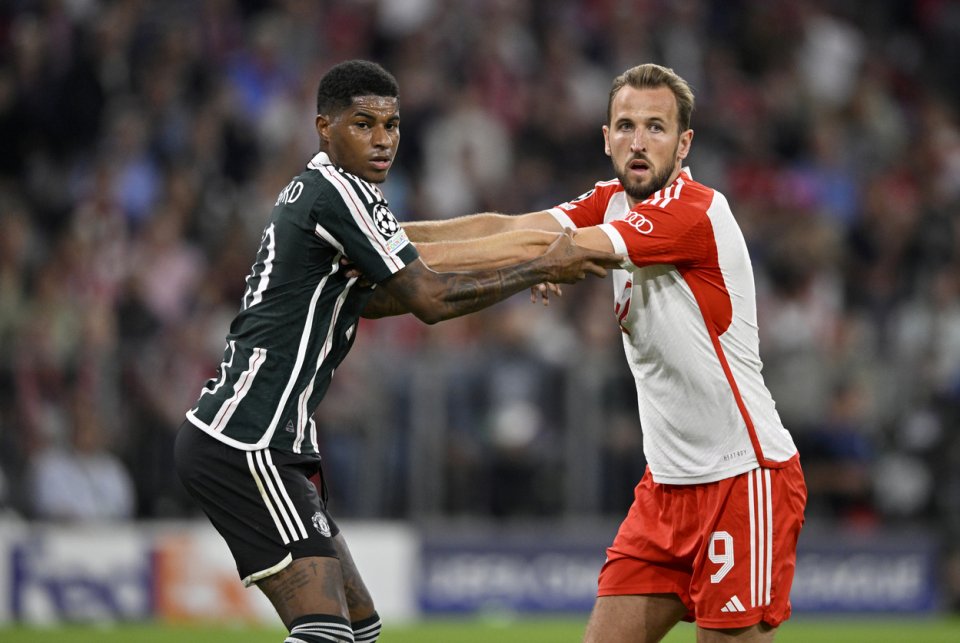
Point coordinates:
[(386, 223)]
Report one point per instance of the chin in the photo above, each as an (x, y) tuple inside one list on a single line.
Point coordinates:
[(376, 177)]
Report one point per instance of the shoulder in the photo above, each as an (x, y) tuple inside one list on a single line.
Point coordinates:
[(601, 192), (328, 189), (350, 188), (683, 197)]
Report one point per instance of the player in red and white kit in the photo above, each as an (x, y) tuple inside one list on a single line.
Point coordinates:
[(712, 533)]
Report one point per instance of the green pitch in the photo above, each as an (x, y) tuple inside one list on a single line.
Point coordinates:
[(799, 630)]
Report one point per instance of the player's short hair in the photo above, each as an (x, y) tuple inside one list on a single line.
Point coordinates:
[(651, 76), (350, 79)]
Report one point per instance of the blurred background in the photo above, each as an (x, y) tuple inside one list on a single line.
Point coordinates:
[(144, 144)]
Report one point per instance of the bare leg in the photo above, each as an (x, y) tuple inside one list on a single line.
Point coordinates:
[(633, 619), (759, 633), (359, 601), (311, 585)]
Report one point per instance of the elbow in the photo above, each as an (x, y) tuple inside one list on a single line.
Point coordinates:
[(429, 317), (429, 311)]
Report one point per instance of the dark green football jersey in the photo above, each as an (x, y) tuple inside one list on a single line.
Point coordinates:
[(300, 311)]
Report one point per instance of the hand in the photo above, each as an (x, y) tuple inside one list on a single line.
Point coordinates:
[(566, 262), (542, 292), (351, 271)]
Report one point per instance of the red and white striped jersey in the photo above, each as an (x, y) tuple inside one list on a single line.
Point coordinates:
[(686, 303)]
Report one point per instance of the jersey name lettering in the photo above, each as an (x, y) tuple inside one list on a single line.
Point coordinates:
[(290, 193)]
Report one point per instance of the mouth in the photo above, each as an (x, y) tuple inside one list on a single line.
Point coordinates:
[(381, 163), (638, 166)]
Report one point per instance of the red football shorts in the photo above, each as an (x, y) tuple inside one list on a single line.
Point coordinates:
[(728, 549)]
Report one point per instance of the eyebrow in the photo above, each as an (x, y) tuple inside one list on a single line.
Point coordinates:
[(365, 114)]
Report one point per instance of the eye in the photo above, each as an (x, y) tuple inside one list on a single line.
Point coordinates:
[(656, 127), (362, 125)]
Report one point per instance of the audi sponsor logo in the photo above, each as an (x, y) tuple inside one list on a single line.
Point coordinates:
[(639, 222)]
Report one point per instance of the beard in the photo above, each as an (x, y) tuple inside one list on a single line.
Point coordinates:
[(641, 190)]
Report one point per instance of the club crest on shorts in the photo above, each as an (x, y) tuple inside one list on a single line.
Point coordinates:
[(321, 524), (386, 223)]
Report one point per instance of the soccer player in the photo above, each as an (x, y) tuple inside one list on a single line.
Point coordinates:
[(247, 452), (711, 535)]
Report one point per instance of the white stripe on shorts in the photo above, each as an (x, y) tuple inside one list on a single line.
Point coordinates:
[(760, 499), (275, 496)]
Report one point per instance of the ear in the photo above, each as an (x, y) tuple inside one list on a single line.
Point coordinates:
[(323, 129), (606, 140), (686, 139)]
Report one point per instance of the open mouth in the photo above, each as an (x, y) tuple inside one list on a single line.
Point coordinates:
[(639, 166), (381, 163)]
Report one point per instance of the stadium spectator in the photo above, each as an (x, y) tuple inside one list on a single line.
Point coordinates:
[(80, 480), (788, 157), (722, 469), (252, 428)]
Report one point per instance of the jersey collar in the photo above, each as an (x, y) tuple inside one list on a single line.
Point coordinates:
[(320, 159)]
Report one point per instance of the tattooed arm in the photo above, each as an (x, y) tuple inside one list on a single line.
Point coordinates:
[(436, 296)]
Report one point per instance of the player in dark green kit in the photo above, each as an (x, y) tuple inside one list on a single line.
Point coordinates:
[(247, 451)]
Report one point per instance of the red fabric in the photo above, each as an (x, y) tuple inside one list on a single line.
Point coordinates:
[(677, 538)]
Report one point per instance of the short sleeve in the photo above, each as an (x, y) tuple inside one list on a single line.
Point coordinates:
[(588, 209), (357, 219), (651, 235)]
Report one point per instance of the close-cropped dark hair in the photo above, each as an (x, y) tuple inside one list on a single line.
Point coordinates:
[(348, 80)]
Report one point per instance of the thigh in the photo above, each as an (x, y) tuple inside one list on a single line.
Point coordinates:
[(359, 602), (633, 619), (312, 585)]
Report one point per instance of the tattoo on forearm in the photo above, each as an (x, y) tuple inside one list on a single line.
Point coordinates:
[(437, 296), (474, 291), (383, 304)]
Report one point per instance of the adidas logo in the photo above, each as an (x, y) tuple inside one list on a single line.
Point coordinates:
[(733, 605)]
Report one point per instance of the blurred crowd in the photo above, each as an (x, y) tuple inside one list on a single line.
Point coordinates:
[(144, 143)]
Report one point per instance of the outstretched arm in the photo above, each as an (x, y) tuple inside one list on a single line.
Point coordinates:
[(434, 297), (495, 251), (478, 225)]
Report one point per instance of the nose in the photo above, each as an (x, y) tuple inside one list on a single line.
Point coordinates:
[(381, 138), (639, 142)]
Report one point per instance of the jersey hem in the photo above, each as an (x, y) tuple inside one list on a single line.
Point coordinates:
[(236, 444), (722, 475)]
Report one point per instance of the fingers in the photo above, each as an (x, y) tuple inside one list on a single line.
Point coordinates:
[(543, 292), (595, 269), (537, 292), (606, 259)]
